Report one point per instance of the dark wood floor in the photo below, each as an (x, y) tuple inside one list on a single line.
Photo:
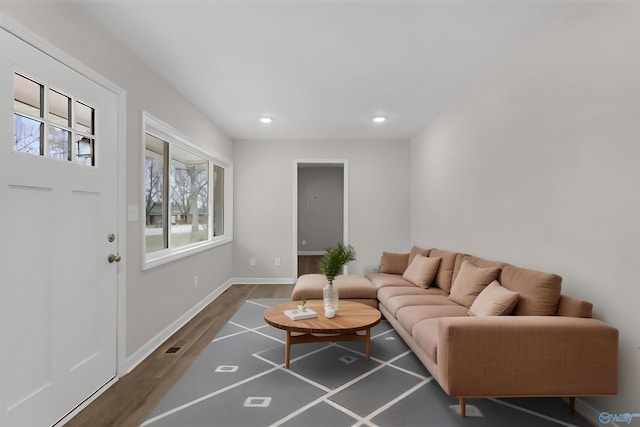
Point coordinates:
[(130, 400)]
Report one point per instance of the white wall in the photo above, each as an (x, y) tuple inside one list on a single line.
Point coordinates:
[(540, 166), (263, 211), (157, 297), (320, 207)]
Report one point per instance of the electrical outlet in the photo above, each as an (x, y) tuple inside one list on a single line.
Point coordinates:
[(276, 261), (252, 262), (304, 243)]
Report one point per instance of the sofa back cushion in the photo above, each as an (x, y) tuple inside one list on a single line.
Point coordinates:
[(470, 281), (417, 250), (422, 270), (539, 291), (445, 271), (394, 263), (477, 261)]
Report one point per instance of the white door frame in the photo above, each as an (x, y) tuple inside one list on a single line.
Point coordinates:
[(345, 194), (53, 51)]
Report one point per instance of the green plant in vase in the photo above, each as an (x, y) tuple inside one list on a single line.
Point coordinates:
[(331, 265)]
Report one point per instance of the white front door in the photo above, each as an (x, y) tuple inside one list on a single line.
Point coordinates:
[(58, 206)]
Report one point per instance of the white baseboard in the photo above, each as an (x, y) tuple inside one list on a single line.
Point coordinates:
[(86, 403), (590, 413), (150, 346), (259, 281)]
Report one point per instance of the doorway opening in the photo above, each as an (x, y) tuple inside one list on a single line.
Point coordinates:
[(321, 210)]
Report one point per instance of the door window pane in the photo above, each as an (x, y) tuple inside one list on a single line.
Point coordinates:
[(59, 108), (27, 135), (84, 118), (59, 143), (27, 96), (84, 151)]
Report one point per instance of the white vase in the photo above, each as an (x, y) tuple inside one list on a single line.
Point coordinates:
[(330, 297)]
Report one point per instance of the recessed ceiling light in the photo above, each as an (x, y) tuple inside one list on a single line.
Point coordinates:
[(266, 120), (378, 119)]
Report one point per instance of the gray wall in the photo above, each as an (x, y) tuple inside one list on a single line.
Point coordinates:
[(320, 207), (154, 298), (539, 166), (264, 212)]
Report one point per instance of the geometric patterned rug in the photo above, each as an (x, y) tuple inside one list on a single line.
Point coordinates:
[(240, 381)]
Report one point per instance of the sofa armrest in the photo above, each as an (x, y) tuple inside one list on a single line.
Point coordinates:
[(573, 307), (526, 356)]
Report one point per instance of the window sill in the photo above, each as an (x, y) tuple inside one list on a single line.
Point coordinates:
[(153, 260)]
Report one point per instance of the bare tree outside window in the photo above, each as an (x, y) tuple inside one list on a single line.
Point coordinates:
[(189, 198)]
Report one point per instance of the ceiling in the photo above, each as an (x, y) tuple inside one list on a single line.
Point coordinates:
[(323, 68)]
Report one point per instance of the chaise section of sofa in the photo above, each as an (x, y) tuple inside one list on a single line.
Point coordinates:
[(537, 342)]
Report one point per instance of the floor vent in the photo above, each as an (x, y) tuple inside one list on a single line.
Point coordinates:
[(176, 347)]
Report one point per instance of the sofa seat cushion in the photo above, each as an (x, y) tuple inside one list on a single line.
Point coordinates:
[(470, 281), (425, 333), (392, 291), (350, 286), (381, 280), (397, 302), (409, 316), (539, 291)]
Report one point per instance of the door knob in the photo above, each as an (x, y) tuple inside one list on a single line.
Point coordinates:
[(111, 258)]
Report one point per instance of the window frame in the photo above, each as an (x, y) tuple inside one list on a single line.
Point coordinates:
[(159, 129), (46, 118)]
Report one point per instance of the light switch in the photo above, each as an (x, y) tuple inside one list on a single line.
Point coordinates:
[(132, 213)]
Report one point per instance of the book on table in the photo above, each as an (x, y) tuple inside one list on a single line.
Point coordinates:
[(301, 315)]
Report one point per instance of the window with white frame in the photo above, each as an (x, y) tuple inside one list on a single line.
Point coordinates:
[(187, 194), (50, 123)]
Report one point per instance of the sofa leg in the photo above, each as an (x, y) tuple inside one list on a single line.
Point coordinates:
[(572, 405), (463, 409)]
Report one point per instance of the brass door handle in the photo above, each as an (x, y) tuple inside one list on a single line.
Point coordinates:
[(111, 258)]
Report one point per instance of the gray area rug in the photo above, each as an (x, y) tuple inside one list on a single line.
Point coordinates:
[(240, 381)]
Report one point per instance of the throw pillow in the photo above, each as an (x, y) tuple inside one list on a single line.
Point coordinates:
[(470, 281), (417, 250), (422, 270), (494, 301), (393, 263)]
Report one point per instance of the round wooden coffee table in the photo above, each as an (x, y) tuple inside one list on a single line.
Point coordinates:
[(350, 318)]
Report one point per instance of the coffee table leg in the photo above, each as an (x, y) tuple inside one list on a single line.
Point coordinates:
[(287, 350), (368, 343)]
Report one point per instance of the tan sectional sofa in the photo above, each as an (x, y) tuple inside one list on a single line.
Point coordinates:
[(487, 329), (490, 329)]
